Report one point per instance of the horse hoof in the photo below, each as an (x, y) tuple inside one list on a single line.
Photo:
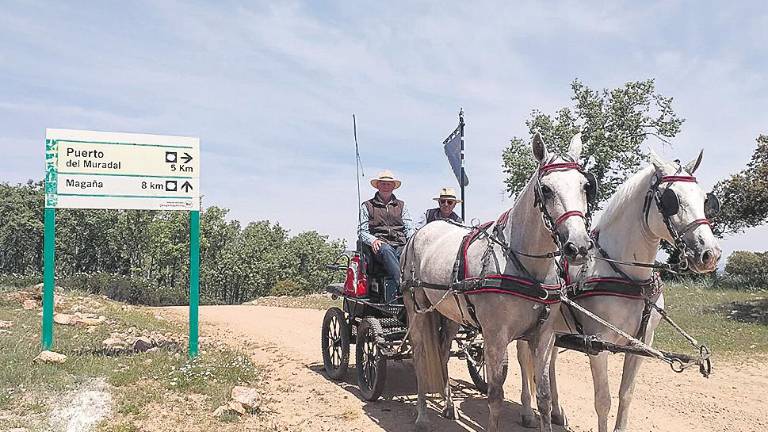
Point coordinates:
[(530, 421), (559, 419), (449, 413)]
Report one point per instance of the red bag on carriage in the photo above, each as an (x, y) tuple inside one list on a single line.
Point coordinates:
[(355, 284)]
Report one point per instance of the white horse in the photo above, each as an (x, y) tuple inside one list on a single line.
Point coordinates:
[(662, 201), (510, 264)]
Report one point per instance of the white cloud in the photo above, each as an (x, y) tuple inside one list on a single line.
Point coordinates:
[(270, 88)]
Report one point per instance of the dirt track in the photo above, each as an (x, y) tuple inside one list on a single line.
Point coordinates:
[(287, 342)]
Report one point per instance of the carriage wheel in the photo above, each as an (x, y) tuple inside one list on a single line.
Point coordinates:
[(477, 369), (371, 365), (335, 344)]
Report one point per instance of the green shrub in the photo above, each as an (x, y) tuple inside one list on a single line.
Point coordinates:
[(128, 289), (286, 287), (19, 281), (745, 270)]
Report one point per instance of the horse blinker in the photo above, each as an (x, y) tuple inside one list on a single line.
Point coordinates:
[(670, 203), (591, 187), (711, 205)]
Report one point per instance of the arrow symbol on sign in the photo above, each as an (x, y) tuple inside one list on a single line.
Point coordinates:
[(186, 158), (186, 187)]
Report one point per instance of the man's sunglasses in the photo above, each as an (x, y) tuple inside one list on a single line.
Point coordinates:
[(447, 201)]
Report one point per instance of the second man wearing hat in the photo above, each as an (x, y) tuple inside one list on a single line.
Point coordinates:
[(446, 202)]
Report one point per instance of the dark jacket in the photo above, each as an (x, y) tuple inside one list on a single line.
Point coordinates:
[(385, 221), (434, 214)]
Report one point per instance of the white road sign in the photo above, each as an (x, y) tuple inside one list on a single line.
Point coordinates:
[(88, 169)]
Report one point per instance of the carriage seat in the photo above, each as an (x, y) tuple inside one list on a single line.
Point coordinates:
[(374, 271)]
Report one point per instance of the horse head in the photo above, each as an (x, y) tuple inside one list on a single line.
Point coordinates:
[(563, 191), (678, 211)]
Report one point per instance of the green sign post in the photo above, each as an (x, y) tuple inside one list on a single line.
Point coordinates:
[(106, 170)]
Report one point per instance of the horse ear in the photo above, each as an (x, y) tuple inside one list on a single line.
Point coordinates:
[(656, 160), (694, 164), (574, 149), (539, 149)]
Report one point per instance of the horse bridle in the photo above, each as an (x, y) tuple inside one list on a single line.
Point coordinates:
[(549, 222), (668, 205)]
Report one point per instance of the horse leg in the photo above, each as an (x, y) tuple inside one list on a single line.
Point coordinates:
[(599, 366), (631, 367), (448, 333), (525, 359), (558, 414), (544, 343), (420, 332), (495, 351)]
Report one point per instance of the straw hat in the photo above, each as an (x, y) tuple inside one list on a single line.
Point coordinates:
[(447, 193), (385, 175)]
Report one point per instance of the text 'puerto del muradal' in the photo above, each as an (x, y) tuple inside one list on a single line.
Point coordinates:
[(88, 169)]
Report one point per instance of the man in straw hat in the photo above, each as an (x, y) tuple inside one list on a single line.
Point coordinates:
[(446, 200), (385, 226)]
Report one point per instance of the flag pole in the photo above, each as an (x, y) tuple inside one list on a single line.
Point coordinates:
[(461, 131)]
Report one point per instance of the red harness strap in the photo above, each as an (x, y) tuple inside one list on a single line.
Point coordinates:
[(672, 178), (559, 166), (566, 215), (613, 286), (516, 286)]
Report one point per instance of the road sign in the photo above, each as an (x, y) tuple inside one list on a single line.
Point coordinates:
[(107, 170)]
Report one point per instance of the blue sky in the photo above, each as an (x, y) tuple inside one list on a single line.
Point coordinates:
[(270, 88)]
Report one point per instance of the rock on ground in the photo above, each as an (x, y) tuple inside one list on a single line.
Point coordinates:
[(50, 357), (247, 396)]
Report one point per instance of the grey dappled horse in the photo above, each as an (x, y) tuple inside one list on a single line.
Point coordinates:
[(662, 201), (540, 217)]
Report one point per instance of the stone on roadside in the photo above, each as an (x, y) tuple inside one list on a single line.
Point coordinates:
[(50, 357), (6, 324), (142, 344), (114, 344), (247, 396), (64, 319), (90, 319)]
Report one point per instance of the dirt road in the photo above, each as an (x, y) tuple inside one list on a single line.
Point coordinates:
[(287, 342)]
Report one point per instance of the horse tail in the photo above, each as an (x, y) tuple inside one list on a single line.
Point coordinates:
[(424, 328), (427, 356)]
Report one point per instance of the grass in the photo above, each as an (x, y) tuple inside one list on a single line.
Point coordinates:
[(136, 381), (699, 310)]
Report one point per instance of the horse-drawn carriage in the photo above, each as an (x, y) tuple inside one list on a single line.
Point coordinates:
[(511, 284), (379, 330)]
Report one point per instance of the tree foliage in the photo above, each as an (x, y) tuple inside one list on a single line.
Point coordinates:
[(614, 124), (744, 196), (143, 256)]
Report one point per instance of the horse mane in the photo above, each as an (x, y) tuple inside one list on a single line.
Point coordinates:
[(636, 185)]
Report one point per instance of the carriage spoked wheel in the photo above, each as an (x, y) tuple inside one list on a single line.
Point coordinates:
[(335, 344), (371, 364), (477, 369)]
